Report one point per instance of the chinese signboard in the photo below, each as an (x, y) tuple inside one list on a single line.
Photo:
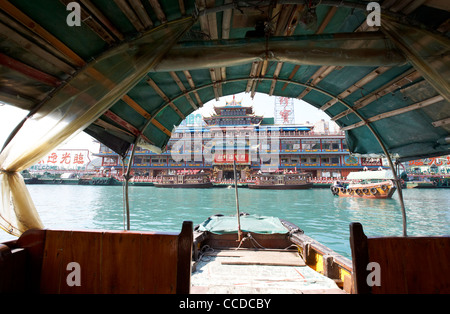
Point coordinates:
[(228, 158), (68, 158), (437, 161)]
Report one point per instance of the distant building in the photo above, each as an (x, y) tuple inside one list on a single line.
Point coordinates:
[(235, 132)]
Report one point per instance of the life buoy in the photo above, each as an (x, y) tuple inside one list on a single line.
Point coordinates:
[(374, 191), (333, 190), (365, 191), (384, 187)]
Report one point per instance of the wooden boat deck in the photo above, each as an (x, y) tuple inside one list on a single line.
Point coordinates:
[(253, 271)]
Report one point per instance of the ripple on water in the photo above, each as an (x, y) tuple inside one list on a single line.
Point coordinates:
[(317, 212)]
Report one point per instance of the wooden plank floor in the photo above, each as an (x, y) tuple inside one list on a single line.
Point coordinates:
[(259, 257), (257, 272)]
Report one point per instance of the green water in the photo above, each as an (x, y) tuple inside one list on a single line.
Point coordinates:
[(322, 216)]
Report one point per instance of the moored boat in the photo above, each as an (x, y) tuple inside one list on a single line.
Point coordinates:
[(198, 180), (285, 181), (273, 256), (366, 184)]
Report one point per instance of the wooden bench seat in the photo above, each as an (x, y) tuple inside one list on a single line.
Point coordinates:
[(109, 262), (406, 264)]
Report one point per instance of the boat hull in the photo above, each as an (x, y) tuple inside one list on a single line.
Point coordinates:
[(383, 190), (184, 186), (282, 186), (240, 266)]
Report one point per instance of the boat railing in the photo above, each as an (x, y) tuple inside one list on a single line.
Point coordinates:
[(324, 180)]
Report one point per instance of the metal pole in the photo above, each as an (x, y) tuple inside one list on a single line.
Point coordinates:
[(237, 200), (127, 178)]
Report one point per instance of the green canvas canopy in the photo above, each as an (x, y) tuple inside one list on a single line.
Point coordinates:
[(391, 79), (249, 223)]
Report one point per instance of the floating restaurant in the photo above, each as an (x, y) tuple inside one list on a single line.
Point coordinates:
[(257, 144)]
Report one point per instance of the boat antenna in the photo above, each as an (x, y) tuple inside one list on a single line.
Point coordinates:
[(237, 200)]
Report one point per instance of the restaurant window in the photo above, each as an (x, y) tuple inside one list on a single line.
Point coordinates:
[(311, 144), (334, 160)]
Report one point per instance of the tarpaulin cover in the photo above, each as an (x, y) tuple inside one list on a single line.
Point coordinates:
[(249, 223), (74, 107)]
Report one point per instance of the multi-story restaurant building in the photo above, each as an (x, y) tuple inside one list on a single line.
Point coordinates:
[(235, 133)]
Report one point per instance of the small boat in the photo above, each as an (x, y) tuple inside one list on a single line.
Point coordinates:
[(366, 184), (273, 256), (285, 181), (198, 180)]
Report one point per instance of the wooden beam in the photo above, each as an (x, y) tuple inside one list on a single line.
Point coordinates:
[(294, 71), (438, 4), (286, 19), (387, 4), (158, 10), (258, 75), (34, 48), (138, 7), (109, 127), (252, 75), (328, 17), (39, 30), (130, 14), (28, 71), (164, 97), (102, 18), (275, 76), (182, 7), (401, 80), (192, 85), (111, 115), (392, 113), (331, 12), (186, 95), (415, 4), (20, 100), (441, 122), (161, 127), (226, 21), (318, 76), (130, 102), (93, 24), (399, 5), (365, 80)]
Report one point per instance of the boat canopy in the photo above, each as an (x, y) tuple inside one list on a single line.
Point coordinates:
[(249, 223), (371, 175), (128, 72)]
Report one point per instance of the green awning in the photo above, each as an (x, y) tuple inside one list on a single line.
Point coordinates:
[(391, 81), (249, 223)]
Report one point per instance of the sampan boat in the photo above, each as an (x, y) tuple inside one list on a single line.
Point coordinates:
[(282, 181), (272, 256), (366, 184), (193, 181)]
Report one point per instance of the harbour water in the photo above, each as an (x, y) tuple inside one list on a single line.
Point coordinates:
[(322, 216)]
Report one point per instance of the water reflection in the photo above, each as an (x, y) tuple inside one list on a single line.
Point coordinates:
[(321, 215)]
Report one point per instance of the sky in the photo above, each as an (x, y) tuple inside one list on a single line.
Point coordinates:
[(262, 105)]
